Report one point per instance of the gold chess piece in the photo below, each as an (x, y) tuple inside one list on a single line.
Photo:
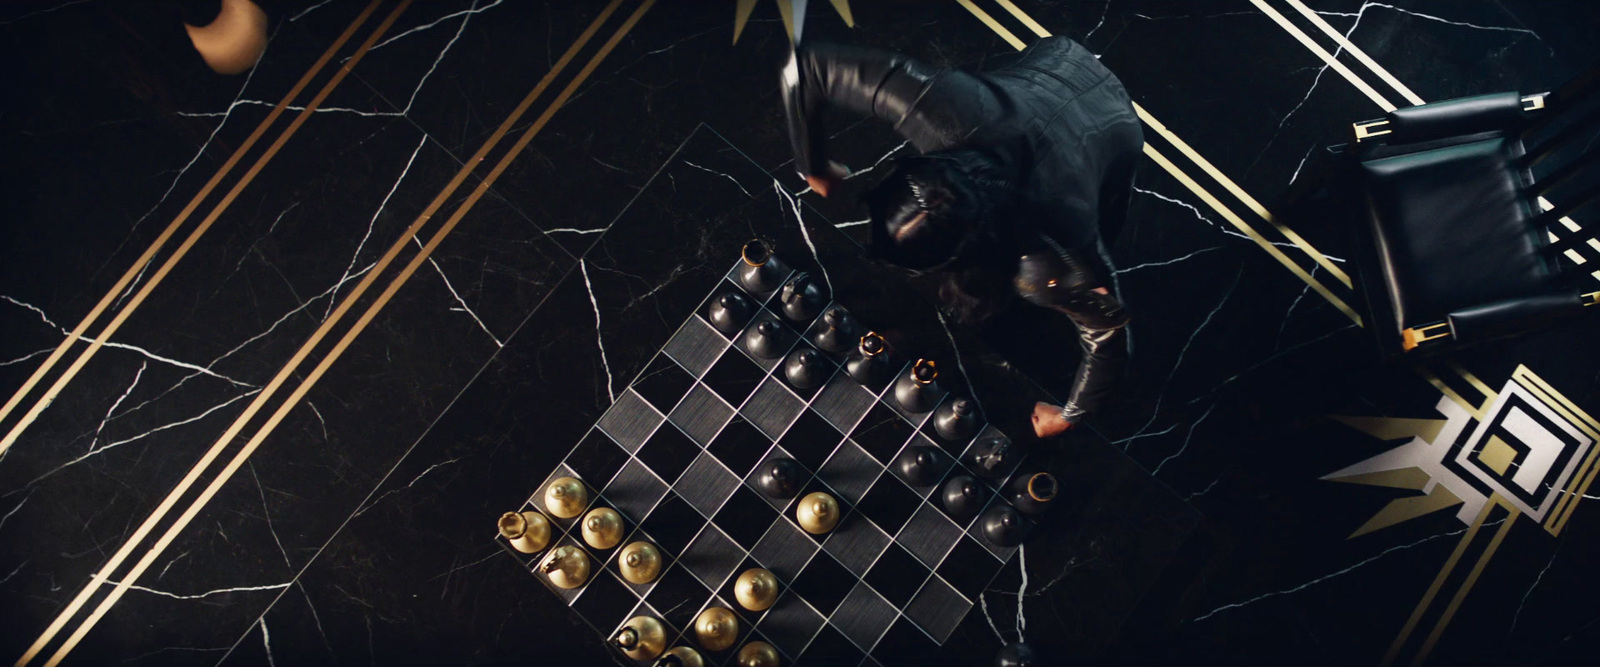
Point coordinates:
[(681, 656), (818, 513), (639, 562), (756, 589), (566, 566), (528, 531), (566, 497), (641, 638), (602, 528), (758, 654), (716, 629)]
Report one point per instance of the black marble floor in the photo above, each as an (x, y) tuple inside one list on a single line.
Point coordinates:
[(292, 447)]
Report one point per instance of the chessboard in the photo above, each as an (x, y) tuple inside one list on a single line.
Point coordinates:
[(676, 455)]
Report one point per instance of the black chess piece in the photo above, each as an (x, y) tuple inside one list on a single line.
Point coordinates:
[(956, 420), (780, 478), (1001, 525), (869, 364), (762, 271), (766, 340), (918, 465), (1032, 493), (805, 368), (963, 496), (802, 299), (917, 390), (729, 313), (837, 332), (1016, 654), (993, 457)]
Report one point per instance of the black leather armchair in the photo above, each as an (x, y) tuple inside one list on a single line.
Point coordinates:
[(1458, 241)]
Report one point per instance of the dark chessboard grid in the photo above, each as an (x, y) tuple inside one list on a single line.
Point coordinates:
[(676, 455)]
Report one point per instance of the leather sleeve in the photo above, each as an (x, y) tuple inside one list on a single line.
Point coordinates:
[(859, 80), (1063, 281)]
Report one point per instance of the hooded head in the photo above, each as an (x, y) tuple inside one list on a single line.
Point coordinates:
[(929, 212)]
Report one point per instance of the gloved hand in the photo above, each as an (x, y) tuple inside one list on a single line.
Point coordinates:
[(829, 179)]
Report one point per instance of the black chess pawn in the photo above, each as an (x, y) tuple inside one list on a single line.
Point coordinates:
[(780, 478), (805, 368), (1032, 493), (1001, 525), (729, 313), (1016, 654), (993, 457), (917, 390), (963, 496), (869, 364), (918, 465), (761, 271), (802, 299), (956, 420), (766, 340), (837, 332)]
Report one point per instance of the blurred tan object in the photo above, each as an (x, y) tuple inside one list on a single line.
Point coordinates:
[(527, 531), (642, 638), (756, 589), (566, 497), (234, 41), (818, 513), (681, 656), (602, 528), (640, 562)]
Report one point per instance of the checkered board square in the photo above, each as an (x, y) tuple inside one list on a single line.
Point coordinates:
[(678, 455)]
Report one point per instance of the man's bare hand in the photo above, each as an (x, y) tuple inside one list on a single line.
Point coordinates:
[(831, 177), (1047, 420)]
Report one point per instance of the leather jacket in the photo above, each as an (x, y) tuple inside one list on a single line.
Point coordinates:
[(1058, 125)]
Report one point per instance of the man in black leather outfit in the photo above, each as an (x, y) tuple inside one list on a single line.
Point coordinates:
[(1020, 170)]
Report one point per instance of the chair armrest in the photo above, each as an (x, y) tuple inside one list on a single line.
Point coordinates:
[(1512, 316), (1466, 115)]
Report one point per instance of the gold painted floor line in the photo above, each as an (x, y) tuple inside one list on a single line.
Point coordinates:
[(101, 576), (373, 309), (1322, 53), (1438, 583), (1351, 48), (182, 217), (1466, 587)]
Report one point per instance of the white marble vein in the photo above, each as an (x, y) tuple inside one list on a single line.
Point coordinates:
[(178, 596), (465, 12), (140, 436), (266, 511), (315, 618), (868, 170), (1161, 396), (1186, 439), (356, 256), (983, 603), (1169, 262), (1290, 313), (571, 230), (169, 565), (138, 374), (46, 10), (1204, 491), (26, 357), (1358, 13), (266, 640), (463, 302), (1268, 360), (1512, 630), (14, 509), (1209, 221), (727, 176), (14, 572), (1103, 12), (960, 364), (1022, 590), (599, 341), (853, 223), (805, 233), (1326, 577), (308, 10), (124, 346)]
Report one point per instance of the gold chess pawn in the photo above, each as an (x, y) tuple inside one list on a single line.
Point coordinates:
[(528, 532), (566, 566), (758, 654), (817, 513), (681, 656), (756, 589), (641, 638), (716, 628), (566, 497), (602, 528), (640, 562)]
